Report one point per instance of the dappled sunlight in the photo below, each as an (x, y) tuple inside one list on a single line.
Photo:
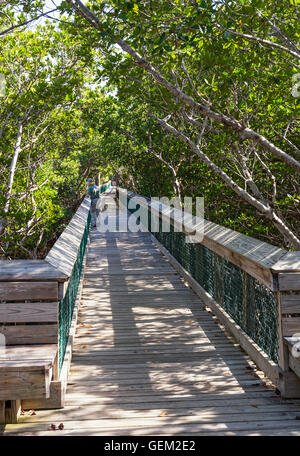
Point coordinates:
[(147, 347), (150, 359), (149, 218)]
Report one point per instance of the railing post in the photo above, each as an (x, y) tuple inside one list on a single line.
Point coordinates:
[(2, 412), (244, 317), (288, 308)]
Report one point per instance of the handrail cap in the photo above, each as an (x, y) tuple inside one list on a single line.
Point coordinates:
[(29, 270)]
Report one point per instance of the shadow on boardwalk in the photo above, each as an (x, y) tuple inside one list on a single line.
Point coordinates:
[(150, 359)]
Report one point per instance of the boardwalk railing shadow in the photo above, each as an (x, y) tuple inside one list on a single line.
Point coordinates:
[(150, 358), (161, 354)]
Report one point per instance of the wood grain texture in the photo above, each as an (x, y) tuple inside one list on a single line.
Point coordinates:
[(26, 372), (27, 291), (259, 259), (26, 368), (59, 381), (13, 412), (290, 303), (2, 412), (290, 326), (29, 270), (157, 362), (289, 281), (257, 354), (55, 399), (295, 365), (64, 252), (30, 334), (29, 312), (289, 262), (24, 384)]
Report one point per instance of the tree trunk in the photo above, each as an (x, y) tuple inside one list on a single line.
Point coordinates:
[(12, 170)]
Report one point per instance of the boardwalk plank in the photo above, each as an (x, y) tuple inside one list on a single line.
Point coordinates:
[(145, 345)]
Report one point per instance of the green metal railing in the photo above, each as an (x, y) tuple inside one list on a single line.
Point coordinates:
[(248, 302), (66, 305)]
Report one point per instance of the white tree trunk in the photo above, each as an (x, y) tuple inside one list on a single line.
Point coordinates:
[(12, 171), (262, 206)]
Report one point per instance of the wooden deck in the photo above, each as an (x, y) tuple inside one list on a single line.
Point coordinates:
[(151, 359)]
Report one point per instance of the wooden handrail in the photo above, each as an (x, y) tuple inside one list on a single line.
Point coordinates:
[(29, 270), (277, 269), (259, 259), (58, 264), (64, 253)]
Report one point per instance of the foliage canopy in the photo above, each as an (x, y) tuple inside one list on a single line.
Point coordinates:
[(189, 97)]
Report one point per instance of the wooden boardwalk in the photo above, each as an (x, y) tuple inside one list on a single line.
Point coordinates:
[(150, 359)]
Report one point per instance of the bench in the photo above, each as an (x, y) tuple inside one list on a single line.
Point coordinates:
[(25, 375), (35, 353), (29, 329)]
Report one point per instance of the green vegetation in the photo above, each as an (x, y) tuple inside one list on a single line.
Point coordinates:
[(189, 97)]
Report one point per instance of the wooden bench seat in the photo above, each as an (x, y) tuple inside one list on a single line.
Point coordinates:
[(29, 335), (26, 371)]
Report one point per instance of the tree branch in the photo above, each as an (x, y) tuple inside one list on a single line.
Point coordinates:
[(232, 123), (10, 29), (259, 40), (262, 207)]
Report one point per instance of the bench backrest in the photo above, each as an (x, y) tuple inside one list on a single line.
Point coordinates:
[(29, 312)]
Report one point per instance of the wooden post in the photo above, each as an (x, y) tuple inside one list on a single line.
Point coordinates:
[(288, 324), (55, 369), (2, 412), (245, 307), (13, 412)]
